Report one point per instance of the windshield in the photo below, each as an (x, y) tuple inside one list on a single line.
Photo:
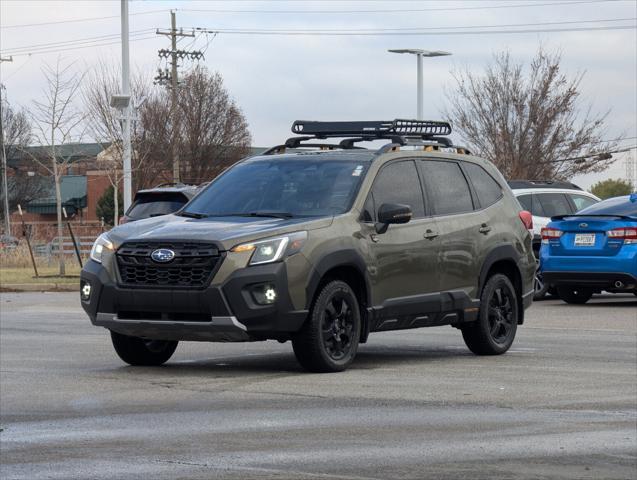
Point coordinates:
[(284, 187), (613, 206)]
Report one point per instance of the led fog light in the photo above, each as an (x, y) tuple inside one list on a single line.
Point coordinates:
[(264, 294), (85, 291)]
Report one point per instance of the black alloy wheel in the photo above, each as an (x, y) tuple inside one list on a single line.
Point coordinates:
[(494, 331), (329, 338), (500, 314), (337, 330)]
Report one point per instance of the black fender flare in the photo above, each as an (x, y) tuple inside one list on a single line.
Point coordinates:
[(348, 257), (498, 253)]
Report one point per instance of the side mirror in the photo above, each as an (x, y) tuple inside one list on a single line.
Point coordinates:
[(389, 213)]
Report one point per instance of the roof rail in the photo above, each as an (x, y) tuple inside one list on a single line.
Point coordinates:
[(398, 131), (542, 184)]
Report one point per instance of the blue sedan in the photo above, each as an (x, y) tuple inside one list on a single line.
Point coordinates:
[(592, 250)]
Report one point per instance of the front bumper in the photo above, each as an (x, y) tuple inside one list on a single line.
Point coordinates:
[(220, 312)]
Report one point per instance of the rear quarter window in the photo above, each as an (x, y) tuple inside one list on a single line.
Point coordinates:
[(487, 189)]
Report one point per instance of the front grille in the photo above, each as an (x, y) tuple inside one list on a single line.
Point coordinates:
[(192, 266)]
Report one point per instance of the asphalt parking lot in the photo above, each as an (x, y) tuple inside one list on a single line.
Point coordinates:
[(416, 404)]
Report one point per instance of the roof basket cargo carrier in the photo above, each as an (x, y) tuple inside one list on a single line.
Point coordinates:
[(400, 132)]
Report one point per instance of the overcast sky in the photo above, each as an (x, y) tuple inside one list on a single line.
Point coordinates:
[(276, 79)]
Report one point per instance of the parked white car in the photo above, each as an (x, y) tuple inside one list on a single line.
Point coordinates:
[(545, 199)]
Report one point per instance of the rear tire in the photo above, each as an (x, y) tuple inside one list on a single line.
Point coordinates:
[(329, 338), (494, 331), (575, 295), (142, 352)]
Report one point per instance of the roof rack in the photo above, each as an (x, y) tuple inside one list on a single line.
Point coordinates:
[(400, 132)]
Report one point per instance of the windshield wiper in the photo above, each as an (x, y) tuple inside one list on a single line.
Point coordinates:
[(260, 214), (192, 214)]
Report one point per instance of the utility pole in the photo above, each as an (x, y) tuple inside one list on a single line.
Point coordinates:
[(165, 78), (5, 188), (126, 141)]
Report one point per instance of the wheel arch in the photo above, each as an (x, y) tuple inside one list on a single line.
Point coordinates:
[(504, 260), (348, 266)]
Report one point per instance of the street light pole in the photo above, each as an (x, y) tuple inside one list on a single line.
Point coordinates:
[(126, 140), (419, 55)]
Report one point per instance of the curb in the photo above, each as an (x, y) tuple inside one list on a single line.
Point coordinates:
[(40, 287)]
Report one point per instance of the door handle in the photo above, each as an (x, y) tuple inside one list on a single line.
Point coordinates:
[(430, 235), (485, 228)]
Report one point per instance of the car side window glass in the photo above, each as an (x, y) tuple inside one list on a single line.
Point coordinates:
[(526, 201), (399, 183), (485, 186), (554, 204), (582, 201), (447, 188), (536, 207)]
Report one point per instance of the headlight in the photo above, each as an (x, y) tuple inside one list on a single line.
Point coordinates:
[(102, 243), (272, 249)]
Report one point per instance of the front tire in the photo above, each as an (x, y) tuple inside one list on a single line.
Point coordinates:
[(575, 295), (494, 331), (329, 338), (142, 352)]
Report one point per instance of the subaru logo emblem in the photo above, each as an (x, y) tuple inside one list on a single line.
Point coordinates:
[(583, 225), (162, 255)]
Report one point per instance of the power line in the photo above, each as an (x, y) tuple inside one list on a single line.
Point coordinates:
[(98, 40), (103, 44), (413, 33), (75, 41), (401, 29), (398, 10), (74, 20)]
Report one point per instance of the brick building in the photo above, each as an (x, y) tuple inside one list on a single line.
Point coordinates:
[(82, 185)]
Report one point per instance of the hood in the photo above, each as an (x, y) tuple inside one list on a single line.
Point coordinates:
[(229, 231)]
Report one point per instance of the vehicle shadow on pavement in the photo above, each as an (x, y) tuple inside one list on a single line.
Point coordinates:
[(367, 358), (591, 304)]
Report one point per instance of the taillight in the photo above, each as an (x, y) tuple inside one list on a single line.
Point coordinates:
[(628, 235), (527, 219), (549, 233)]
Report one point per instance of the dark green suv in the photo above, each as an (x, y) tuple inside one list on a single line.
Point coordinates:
[(322, 247)]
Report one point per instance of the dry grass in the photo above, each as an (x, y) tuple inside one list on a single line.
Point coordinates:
[(10, 276), (16, 267)]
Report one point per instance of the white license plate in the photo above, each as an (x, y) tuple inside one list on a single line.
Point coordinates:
[(584, 239)]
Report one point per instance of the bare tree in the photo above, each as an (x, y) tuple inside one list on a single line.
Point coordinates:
[(530, 124), (16, 135), (104, 124), (58, 122), (213, 131)]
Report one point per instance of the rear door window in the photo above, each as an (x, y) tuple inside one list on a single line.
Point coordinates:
[(485, 186), (447, 188), (399, 183), (554, 204)]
